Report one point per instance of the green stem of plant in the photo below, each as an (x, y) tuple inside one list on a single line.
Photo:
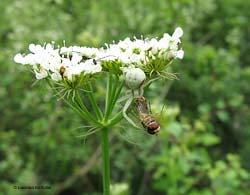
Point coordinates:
[(85, 110), (79, 108), (93, 101), (108, 95), (115, 120), (115, 94), (105, 161), (103, 122)]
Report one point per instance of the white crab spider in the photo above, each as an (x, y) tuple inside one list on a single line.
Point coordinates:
[(134, 78), (128, 103)]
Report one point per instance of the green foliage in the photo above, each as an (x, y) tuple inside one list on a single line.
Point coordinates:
[(203, 146)]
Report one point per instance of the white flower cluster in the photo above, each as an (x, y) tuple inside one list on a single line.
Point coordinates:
[(139, 52), (70, 62), (48, 61)]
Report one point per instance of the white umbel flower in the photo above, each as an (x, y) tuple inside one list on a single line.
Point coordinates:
[(150, 56), (50, 61)]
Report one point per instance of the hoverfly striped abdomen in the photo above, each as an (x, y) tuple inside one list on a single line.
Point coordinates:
[(147, 119)]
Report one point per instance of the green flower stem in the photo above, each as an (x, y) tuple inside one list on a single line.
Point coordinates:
[(90, 118), (77, 108), (112, 94), (108, 96), (115, 120), (103, 122), (85, 110), (114, 91), (93, 101), (115, 96), (74, 106), (105, 162), (115, 81)]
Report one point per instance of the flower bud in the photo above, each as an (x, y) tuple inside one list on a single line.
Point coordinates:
[(134, 78)]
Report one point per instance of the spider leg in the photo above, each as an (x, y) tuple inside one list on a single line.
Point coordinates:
[(124, 110), (122, 99), (141, 91), (149, 106)]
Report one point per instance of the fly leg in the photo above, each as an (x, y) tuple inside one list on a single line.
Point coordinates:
[(124, 110)]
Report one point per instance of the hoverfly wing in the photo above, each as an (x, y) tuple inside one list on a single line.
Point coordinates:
[(147, 119)]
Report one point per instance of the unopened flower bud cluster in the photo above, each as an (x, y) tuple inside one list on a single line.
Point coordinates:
[(67, 63)]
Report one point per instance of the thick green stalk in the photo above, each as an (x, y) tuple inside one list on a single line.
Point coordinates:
[(103, 122), (105, 161)]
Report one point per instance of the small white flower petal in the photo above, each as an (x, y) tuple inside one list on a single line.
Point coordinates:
[(177, 33), (42, 74), (18, 58), (76, 70), (90, 68), (30, 59), (56, 76), (49, 47), (35, 48), (32, 47), (76, 58), (180, 54)]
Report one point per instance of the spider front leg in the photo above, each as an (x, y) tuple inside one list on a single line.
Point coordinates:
[(124, 110), (141, 91)]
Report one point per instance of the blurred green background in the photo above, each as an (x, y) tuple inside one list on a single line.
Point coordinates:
[(204, 143)]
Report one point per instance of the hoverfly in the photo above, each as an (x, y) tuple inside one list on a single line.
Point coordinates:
[(147, 119)]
